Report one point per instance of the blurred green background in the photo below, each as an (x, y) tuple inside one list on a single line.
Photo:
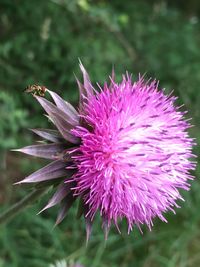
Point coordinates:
[(41, 42)]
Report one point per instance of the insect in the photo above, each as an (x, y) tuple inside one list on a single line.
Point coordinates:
[(36, 89)]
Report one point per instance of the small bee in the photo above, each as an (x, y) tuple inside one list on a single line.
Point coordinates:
[(36, 89)]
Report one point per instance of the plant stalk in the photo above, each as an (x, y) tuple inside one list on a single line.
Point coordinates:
[(10, 213)]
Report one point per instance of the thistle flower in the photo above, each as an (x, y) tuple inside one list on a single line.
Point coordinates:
[(63, 263), (125, 152)]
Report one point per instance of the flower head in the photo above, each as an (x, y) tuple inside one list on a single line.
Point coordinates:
[(63, 263), (125, 152)]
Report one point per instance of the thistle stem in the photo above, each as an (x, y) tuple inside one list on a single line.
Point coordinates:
[(22, 204)]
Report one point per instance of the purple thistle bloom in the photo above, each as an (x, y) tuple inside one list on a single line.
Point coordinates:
[(125, 153)]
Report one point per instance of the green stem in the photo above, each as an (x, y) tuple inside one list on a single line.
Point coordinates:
[(22, 204)]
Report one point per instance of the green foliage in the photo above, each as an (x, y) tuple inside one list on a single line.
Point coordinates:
[(41, 42), (12, 119)]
